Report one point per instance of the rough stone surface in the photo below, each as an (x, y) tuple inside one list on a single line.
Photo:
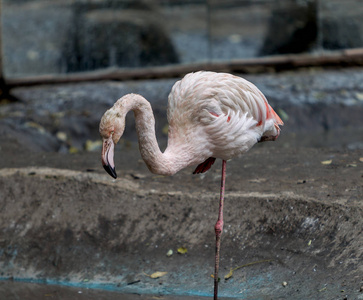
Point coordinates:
[(71, 223), (295, 203), (293, 27)]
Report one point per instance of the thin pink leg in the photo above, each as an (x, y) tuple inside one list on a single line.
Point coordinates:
[(218, 229)]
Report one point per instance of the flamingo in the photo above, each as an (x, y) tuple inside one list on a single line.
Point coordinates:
[(211, 115)]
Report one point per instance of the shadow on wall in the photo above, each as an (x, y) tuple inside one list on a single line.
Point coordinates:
[(300, 26), (115, 33)]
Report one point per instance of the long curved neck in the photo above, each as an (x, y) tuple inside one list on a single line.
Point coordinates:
[(157, 162)]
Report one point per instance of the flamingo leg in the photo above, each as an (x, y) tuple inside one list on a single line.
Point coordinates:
[(218, 229)]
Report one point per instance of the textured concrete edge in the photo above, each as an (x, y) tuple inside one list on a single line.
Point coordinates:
[(131, 186), (56, 174)]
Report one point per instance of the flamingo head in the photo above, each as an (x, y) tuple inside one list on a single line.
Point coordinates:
[(112, 126)]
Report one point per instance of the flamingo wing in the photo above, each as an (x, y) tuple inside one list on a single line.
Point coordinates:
[(219, 93), (225, 114)]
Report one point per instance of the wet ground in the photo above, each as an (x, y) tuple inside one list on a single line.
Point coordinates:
[(293, 212), (30, 291)]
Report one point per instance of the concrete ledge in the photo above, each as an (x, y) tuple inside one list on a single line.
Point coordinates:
[(76, 228)]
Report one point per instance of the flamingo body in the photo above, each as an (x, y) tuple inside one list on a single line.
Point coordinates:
[(219, 115), (210, 115)]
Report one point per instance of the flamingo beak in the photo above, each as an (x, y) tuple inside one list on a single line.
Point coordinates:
[(108, 147)]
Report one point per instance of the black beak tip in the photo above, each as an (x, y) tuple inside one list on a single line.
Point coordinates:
[(110, 171)]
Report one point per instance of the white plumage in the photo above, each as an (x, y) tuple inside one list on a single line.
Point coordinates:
[(227, 108), (210, 114)]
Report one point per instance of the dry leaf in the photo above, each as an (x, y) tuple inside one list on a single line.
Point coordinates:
[(258, 180), (351, 165), (165, 129), (182, 250), (156, 274), (359, 96), (326, 162), (169, 253), (212, 275), (137, 175), (63, 136), (73, 150), (230, 274), (89, 146)]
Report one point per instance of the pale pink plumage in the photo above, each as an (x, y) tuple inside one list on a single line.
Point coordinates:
[(219, 115), (211, 115)]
